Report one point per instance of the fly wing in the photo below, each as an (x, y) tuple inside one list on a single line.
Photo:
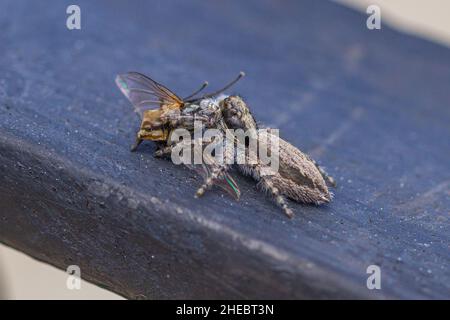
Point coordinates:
[(145, 93)]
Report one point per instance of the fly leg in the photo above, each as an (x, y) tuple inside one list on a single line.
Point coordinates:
[(163, 151), (217, 173), (136, 144)]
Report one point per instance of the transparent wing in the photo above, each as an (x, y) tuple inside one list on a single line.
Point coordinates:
[(145, 93)]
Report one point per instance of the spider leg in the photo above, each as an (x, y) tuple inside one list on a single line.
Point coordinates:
[(217, 171), (266, 184), (324, 174)]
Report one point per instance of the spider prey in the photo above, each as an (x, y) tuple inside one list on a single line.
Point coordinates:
[(298, 178)]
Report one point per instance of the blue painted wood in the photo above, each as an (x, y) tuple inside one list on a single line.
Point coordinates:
[(371, 106)]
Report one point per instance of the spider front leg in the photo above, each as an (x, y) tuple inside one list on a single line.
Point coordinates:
[(217, 172), (163, 151)]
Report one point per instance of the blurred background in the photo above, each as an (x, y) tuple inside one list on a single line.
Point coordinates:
[(426, 19), (24, 278)]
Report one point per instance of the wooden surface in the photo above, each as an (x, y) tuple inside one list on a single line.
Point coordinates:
[(371, 106)]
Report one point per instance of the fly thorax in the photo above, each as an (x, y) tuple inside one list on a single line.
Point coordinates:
[(190, 109), (209, 109)]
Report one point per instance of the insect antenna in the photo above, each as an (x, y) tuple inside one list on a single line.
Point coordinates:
[(204, 85), (241, 74)]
